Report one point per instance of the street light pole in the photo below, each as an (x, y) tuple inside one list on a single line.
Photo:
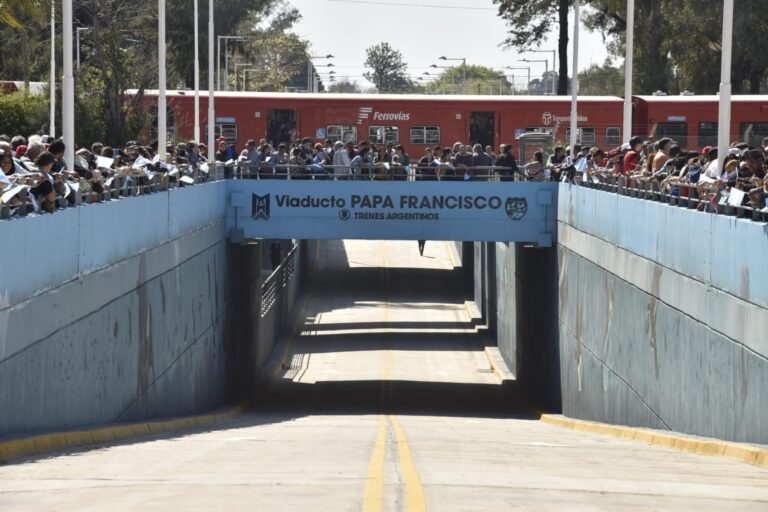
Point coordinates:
[(52, 84), (724, 124), (628, 69), (528, 83), (197, 73), (77, 47), (68, 96), (554, 65), (575, 81), (162, 120), (211, 107), (464, 66)]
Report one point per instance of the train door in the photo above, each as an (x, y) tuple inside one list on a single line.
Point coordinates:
[(482, 128), (282, 126)]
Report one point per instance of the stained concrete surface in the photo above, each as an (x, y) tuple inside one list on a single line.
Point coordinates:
[(386, 343)]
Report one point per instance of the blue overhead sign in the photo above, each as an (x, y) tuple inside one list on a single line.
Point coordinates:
[(394, 210)]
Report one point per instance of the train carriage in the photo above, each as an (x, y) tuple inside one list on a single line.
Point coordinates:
[(415, 121)]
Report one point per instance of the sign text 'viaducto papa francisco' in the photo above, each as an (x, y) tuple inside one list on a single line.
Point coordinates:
[(310, 209)]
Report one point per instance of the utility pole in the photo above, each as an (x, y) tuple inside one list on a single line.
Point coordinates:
[(724, 124), (211, 93), (628, 69), (162, 120), (575, 81), (52, 84), (68, 96), (197, 73)]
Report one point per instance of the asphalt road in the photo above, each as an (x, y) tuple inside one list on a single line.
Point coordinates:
[(387, 403)]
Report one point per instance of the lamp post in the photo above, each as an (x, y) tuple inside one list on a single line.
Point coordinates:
[(78, 30), (628, 65), (226, 40), (211, 107), (162, 121), (546, 68), (463, 65), (575, 81), (554, 65), (237, 70), (724, 124), (52, 84), (528, 83), (310, 70), (68, 95), (197, 74)]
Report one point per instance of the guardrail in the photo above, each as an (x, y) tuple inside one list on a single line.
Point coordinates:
[(682, 195), (277, 282), (90, 191)]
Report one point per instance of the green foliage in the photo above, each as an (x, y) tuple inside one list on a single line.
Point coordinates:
[(480, 80), (345, 86), (21, 113), (388, 69), (604, 80)]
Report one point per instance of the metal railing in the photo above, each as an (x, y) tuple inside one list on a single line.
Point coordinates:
[(73, 190), (120, 183), (694, 196), (274, 285)]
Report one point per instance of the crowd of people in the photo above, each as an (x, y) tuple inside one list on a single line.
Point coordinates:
[(736, 178), (34, 167), (33, 172), (339, 160)]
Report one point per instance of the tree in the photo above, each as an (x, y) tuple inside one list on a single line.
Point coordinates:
[(605, 80), (345, 86), (530, 21), (479, 80), (388, 69)]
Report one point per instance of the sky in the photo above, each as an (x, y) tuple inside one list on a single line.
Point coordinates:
[(423, 30)]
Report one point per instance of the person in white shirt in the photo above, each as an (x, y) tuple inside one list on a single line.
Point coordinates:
[(341, 161)]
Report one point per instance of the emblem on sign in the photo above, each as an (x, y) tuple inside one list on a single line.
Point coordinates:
[(516, 207), (261, 206), (546, 118)]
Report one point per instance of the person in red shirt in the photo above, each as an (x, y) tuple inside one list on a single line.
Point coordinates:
[(632, 158)]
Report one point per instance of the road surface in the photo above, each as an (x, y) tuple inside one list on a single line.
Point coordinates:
[(387, 403)]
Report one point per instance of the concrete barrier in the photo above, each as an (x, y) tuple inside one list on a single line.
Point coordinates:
[(130, 310), (662, 315)]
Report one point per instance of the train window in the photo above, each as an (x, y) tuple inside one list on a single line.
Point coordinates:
[(540, 129), (227, 130), (613, 136), (707, 134), (584, 136), (344, 133), (384, 134), (753, 132), (678, 132), (425, 135)]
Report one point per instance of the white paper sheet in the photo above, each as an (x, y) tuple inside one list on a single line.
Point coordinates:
[(103, 162)]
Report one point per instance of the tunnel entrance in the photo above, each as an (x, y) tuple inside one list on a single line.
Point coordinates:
[(384, 328)]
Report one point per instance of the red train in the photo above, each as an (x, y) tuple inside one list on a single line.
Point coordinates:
[(418, 121)]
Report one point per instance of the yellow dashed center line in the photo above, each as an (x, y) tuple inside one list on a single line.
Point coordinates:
[(374, 487)]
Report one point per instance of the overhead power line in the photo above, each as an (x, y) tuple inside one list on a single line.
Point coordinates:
[(397, 4)]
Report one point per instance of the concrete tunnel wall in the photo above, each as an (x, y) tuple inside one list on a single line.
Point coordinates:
[(663, 316), (135, 309), (644, 314)]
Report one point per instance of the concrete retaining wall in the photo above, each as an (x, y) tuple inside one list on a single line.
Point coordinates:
[(663, 319), (133, 309)]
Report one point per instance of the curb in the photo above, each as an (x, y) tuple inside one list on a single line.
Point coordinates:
[(44, 444), (739, 452), (498, 366)]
